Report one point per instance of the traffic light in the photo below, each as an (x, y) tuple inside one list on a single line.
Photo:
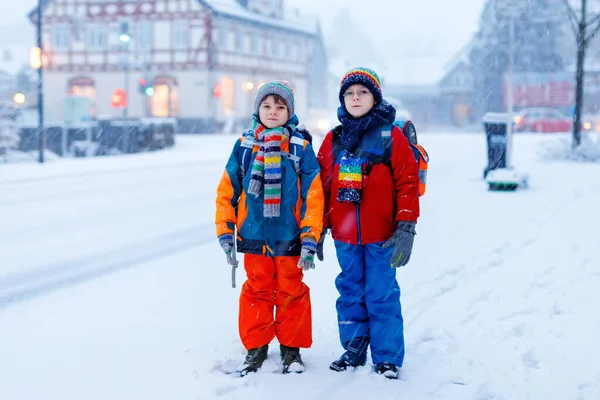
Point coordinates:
[(217, 90), (119, 98), (124, 32), (145, 88), (142, 85)]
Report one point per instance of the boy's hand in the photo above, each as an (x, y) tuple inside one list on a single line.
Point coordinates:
[(402, 241), (320, 244), (226, 242), (307, 254)]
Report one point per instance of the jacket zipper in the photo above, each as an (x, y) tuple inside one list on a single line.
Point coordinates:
[(358, 222)]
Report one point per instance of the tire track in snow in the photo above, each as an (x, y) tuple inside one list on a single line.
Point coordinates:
[(52, 277), (51, 190), (95, 173)]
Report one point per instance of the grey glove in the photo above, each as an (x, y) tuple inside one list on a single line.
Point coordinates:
[(403, 243), (320, 244), (307, 254), (226, 242)]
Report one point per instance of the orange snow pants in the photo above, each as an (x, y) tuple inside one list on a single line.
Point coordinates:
[(274, 284)]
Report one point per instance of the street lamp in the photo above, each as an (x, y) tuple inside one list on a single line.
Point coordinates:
[(125, 38), (248, 86), (19, 98), (510, 9), (41, 132)]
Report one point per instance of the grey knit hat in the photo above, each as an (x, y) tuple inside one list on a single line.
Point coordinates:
[(281, 88)]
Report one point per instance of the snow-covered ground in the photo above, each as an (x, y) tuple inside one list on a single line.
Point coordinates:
[(113, 286)]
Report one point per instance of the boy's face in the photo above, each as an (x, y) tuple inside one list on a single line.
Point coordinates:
[(358, 100), (273, 114)]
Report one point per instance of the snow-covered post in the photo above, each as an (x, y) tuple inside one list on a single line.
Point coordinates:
[(510, 9), (42, 132)]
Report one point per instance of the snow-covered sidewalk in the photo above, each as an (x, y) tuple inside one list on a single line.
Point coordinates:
[(124, 292)]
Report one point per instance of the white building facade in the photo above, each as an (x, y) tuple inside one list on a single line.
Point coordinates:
[(204, 60)]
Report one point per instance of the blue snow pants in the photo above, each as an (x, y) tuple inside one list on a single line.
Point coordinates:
[(369, 302)]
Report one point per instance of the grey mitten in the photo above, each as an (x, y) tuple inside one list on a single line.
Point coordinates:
[(307, 253), (320, 244), (402, 240), (226, 242)]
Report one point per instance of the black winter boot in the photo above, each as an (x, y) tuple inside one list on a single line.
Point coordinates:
[(254, 360), (292, 362), (388, 370), (355, 355)]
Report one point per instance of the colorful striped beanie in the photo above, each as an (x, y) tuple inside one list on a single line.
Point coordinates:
[(362, 76), (281, 88)]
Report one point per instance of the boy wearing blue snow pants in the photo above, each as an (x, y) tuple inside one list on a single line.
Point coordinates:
[(369, 302), (371, 207)]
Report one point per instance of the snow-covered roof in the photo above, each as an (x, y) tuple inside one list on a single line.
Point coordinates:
[(461, 57), (292, 20)]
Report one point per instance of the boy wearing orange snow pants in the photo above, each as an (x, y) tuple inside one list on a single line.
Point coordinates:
[(271, 191), (292, 323)]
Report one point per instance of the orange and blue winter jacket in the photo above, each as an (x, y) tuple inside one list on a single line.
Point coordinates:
[(302, 202)]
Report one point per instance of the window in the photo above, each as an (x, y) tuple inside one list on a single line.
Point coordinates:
[(83, 87), (288, 49), (254, 43), (230, 40), (294, 53), (165, 101), (143, 37), (247, 43), (180, 35), (238, 40), (95, 38), (61, 37), (227, 39)]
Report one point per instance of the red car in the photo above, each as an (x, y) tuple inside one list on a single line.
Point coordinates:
[(542, 120)]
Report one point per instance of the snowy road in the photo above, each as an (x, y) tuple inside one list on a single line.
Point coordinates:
[(112, 285), (94, 222)]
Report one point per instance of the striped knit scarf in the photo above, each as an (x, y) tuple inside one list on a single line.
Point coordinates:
[(350, 178), (266, 170)]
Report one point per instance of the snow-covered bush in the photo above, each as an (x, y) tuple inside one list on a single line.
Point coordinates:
[(561, 149), (9, 136)]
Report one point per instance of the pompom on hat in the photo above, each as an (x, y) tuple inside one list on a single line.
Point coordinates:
[(362, 76), (281, 88)]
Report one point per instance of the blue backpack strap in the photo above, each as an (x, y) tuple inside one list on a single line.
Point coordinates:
[(246, 147), (296, 149), (386, 137)]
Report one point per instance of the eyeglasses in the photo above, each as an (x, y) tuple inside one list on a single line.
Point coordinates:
[(361, 93)]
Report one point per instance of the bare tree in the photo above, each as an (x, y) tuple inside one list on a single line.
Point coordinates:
[(584, 31)]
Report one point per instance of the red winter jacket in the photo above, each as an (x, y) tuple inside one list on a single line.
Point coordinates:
[(386, 198)]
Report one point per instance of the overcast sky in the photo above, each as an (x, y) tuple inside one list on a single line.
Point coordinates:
[(419, 36), (422, 33)]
